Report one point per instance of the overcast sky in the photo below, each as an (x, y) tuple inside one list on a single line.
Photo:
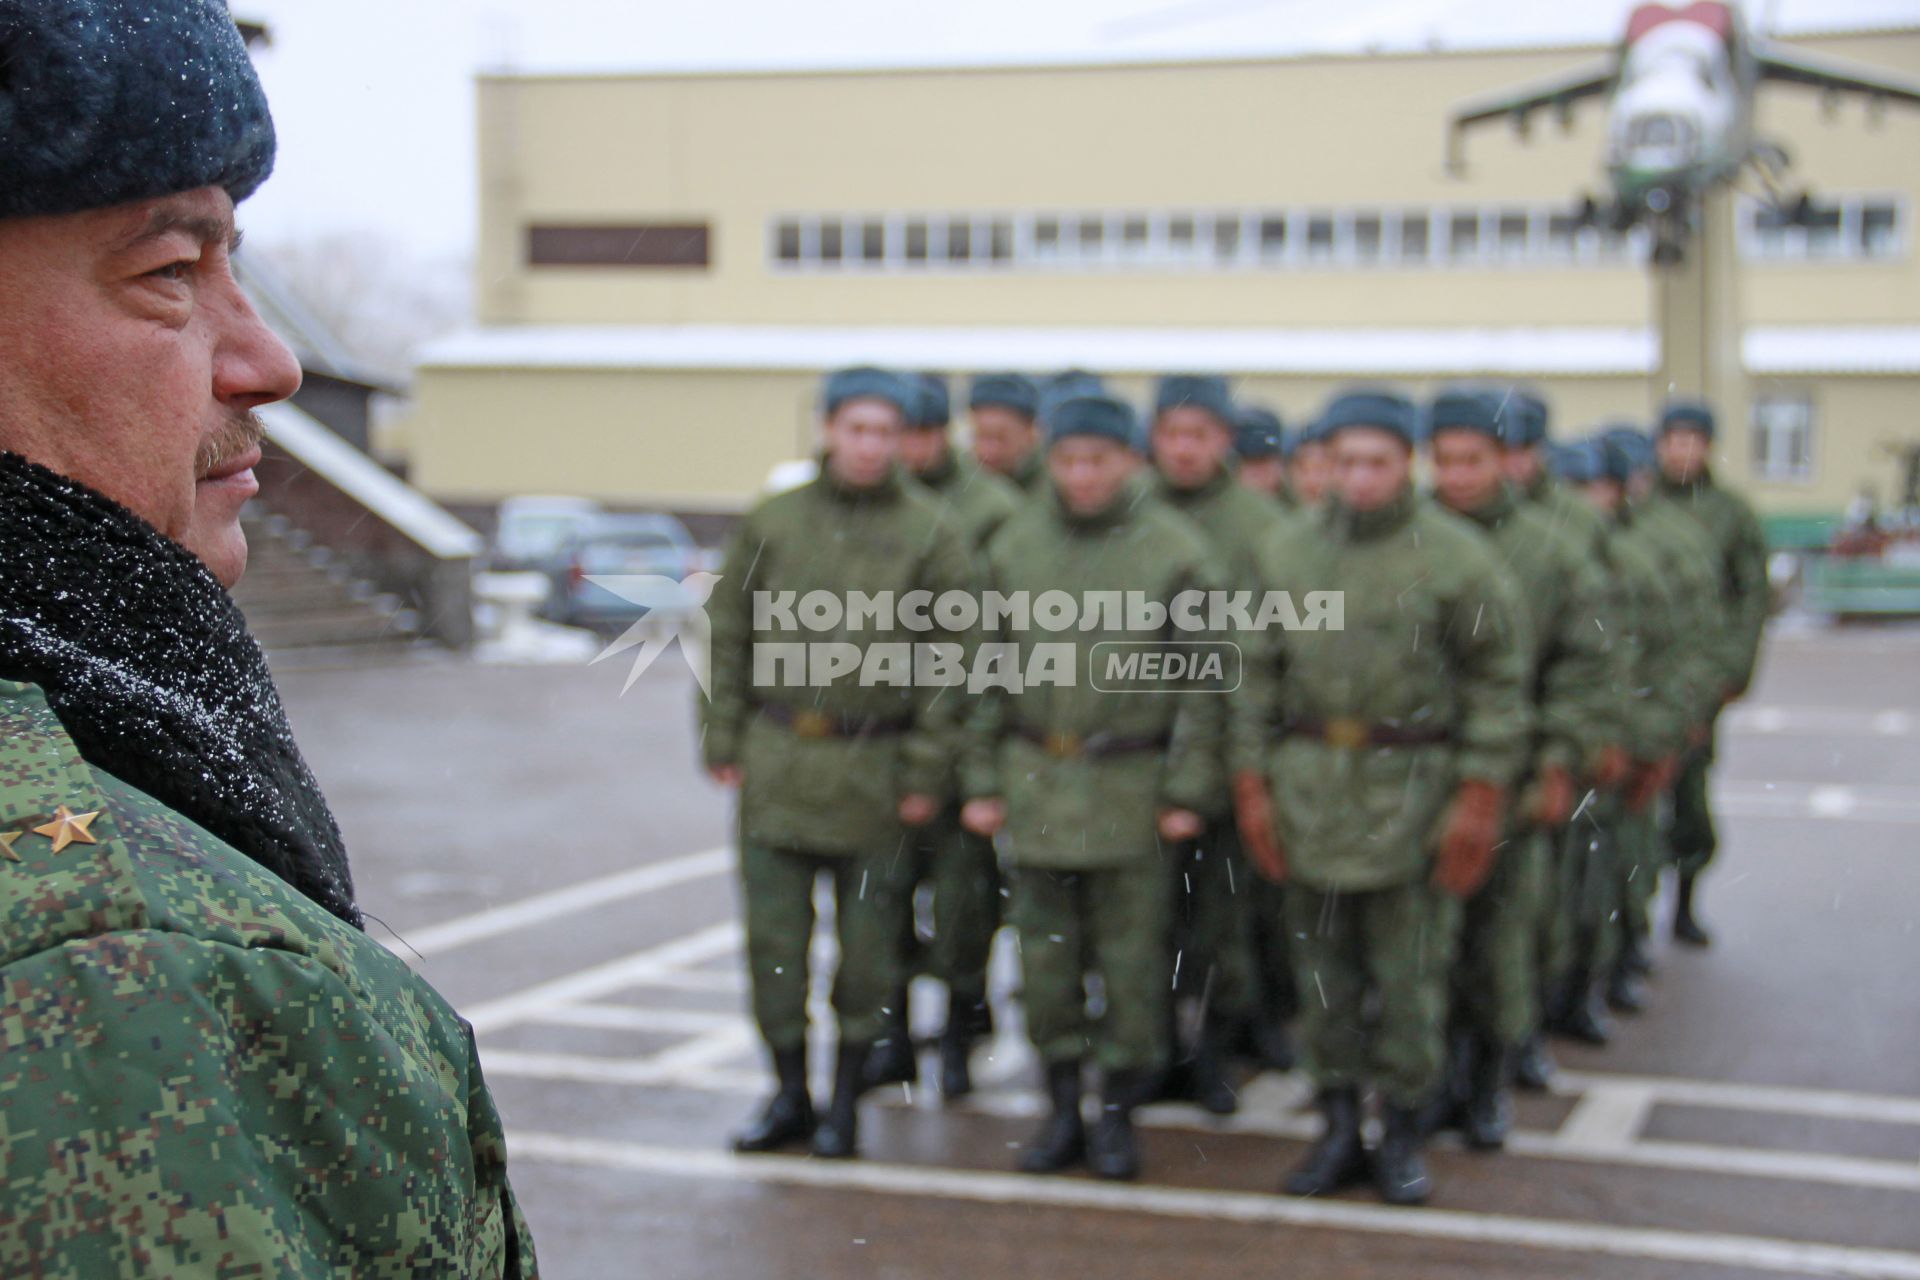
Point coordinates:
[(374, 101)]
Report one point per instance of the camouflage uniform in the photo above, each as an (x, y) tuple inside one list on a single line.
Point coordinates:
[(1572, 688), (958, 867), (825, 767), (1433, 653), (1739, 561), (1215, 887), (268, 1091)]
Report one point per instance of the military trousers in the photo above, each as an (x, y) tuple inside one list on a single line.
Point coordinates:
[(949, 879), (1276, 997), (1496, 974), (1372, 970), (1637, 870), (1588, 889), (1112, 922), (1213, 924), (777, 888), (1691, 835)]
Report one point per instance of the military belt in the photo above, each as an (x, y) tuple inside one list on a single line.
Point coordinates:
[(1094, 746), (1353, 734), (812, 723)]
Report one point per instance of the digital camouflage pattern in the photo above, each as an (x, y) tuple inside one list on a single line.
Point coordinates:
[(204, 1074)]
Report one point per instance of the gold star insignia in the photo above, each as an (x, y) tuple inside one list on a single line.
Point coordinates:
[(6, 845), (67, 827)]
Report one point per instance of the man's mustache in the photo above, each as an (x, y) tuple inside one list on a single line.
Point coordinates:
[(236, 436)]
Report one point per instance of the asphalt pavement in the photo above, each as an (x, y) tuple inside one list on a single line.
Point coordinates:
[(546, 851)]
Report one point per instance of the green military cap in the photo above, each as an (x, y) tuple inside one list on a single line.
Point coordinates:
[(1460, 409), (868, 383), (1581, 462), (1687, 415), (1199, 391), (1015, 391), (1108, 417), (1378, 407), (1258, 432), (1524, 418), (933, 404)]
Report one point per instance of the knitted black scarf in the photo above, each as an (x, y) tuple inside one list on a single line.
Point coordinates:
[(148, 664)]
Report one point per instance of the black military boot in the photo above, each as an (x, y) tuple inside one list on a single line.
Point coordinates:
[(1488, 1114), (956, 1066), (892, 1060), (1062, 1141), (788, 1115), (1112, 1151), (838, 1136), (1399, 1170), (1626, 991), (1685, 928), (1273, 1045), (1533, 1066), (1633, 954), (1583, 1017), (1446, 1109), (1337, 1158), (980, 1020), (1211, 1088)]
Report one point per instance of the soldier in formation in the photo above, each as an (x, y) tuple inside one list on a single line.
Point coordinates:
[(1444, 816)]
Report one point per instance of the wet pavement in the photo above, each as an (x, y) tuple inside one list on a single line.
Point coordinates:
[(557, 865)]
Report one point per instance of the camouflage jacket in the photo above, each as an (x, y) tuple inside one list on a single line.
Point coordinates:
[(826, 756), (981, 501), (1740, 565), (1434, 644), (202, 1073), (1075, 809), (1563, 592)]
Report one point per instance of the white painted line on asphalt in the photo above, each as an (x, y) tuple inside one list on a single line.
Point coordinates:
[(1597, 1140), (1791, 1257), (1787, 1099), (1832, 802), (696, 980), (1816, 722), (1608, 1118), (590, 984), (558, 903)]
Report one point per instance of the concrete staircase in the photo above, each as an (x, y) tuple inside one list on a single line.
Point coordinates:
[(304, 607)]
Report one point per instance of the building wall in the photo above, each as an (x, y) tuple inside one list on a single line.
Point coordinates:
[(704, 442), (739, 150)]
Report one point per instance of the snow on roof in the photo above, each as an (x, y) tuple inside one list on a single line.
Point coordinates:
[(1539, 351)]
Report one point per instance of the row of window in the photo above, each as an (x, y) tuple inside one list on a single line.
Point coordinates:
[(1226, 240)]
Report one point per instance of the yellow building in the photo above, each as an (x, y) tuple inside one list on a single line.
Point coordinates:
[(668, 262)]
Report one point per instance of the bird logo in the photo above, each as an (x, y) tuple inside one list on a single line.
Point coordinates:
[(674, 609)]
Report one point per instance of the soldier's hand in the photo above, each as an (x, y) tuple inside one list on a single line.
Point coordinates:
[(1552, 797), (1180, 824), (727, 775), (918, 811), (985, 816), (1470, 841), (1253, 814), (1649, 780), (1612, 767)]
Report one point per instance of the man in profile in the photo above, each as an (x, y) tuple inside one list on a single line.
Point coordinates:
[(206, 1067)]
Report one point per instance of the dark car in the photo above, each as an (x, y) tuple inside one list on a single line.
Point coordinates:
[(616, 570)]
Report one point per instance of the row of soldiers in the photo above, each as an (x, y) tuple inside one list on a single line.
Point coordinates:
[(1424, 837)]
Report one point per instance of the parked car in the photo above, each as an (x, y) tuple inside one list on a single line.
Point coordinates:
[(636, 548), (532, 531)]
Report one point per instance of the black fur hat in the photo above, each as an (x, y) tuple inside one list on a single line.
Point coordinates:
[(103, 102)]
